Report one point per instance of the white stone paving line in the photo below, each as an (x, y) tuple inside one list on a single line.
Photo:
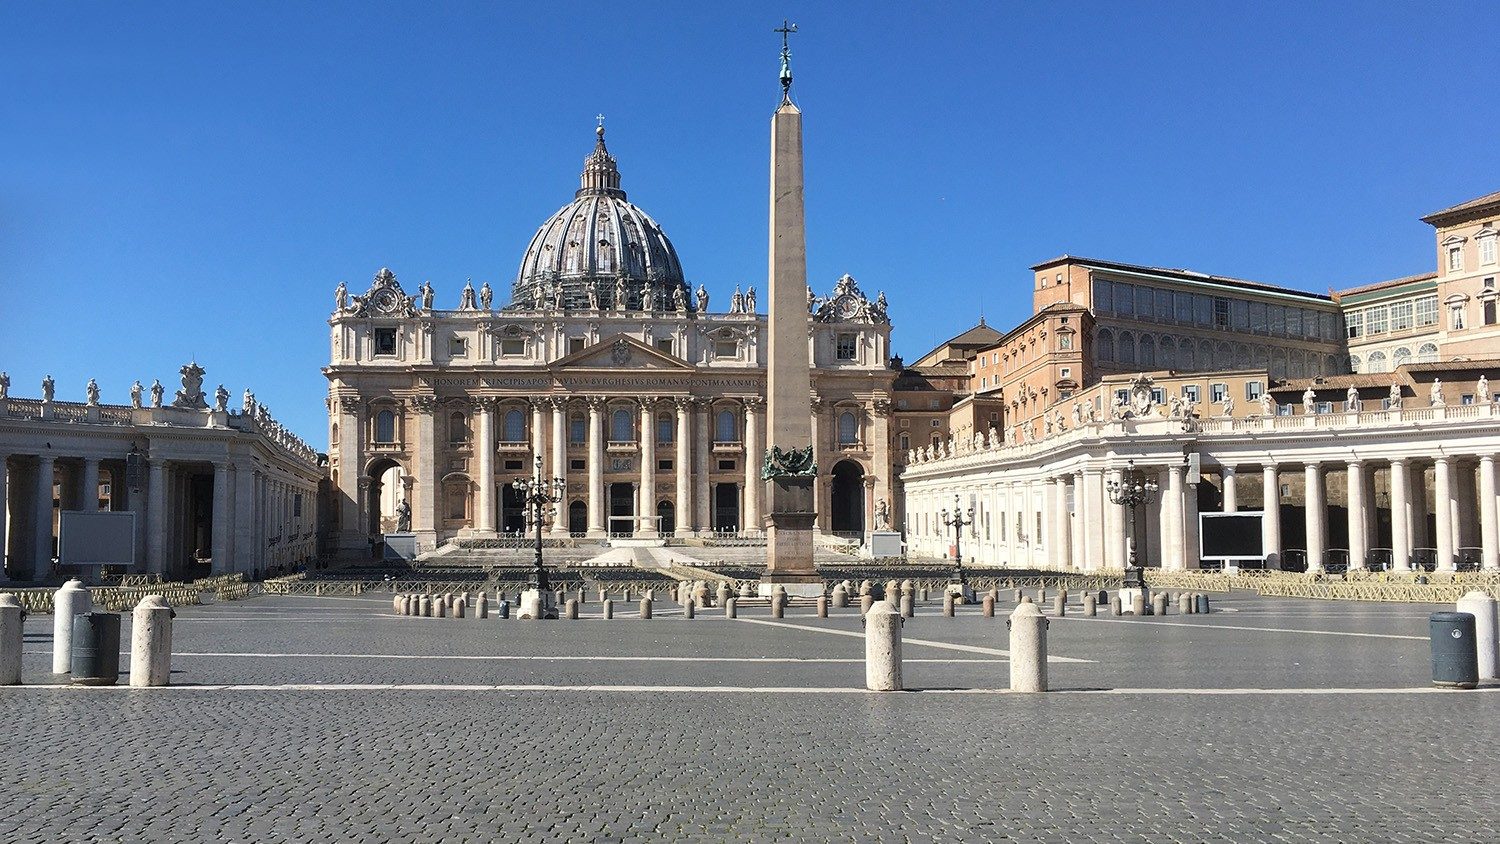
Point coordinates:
[(561, 658), (907, 640), (530, 687), (1210, 626)]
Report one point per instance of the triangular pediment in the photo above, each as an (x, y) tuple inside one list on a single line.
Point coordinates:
[(621, 352)]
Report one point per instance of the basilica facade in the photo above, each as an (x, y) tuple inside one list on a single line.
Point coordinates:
[(604, 368)]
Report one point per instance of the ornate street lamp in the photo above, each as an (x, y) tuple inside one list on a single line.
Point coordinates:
[(1132, 490), (958, 520), (539, 497)]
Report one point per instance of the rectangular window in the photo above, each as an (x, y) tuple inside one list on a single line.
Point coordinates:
[(512, 348), (1218, 392), (1143, 300), (847, 345), (1401, 316), (1426, 311), (1163, 306), (1376, 319), (727, 465), (514, 465), (576, 344), (664, 465), (1122, 396), (1323, 407), (1294, 322), (1258, 317), (905, 442), (1124, 299), (1065, 394), (1283, 410), (1239, 314), (1221, 312), (1190, 392), (1276, 318), (1182, 307), (664, 345), (458, 347), (576, 465), (1159, 395), (1355, 323), (1066, 372), (1253, 390), (1489, 312), (932, 404), (1104, 302), (936, 422), (385, 342), (726, 349), (577, 430), (1329, 323), (1203, 309), (1487, 250), (297, 498), (1455, 257), (1466, 398)]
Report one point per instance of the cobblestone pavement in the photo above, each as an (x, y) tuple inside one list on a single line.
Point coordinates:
[(1176, 746)]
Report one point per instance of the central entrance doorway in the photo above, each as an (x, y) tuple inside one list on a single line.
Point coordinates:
[(622, 509), (848, 500), (726, 507)]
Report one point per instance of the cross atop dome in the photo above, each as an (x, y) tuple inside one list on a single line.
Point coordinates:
[(600, 173)]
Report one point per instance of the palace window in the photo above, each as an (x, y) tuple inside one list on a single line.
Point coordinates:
[(1377, 363), (1354, 323), (458, 347), (1456, 320), (1221, 312), (1258, 317), (385, 342), (385, 426), (512, 348), (1239, 311), (1103, 297), (1124, 299), (1253, 389), (1376, 319), (1143, 302), (848, 344), (848, 429), (664, 345), (1401, 316), (577, 344), (1148, 351), (1104, 349), (1203, 309), (1427, 311), (577, 429), (1065, 372), (1486, 240), (621, 427), (905, 443), (1323, 407), (1455, 257), (1163, 306), (1400, 357), (458, 428), (1218, 392), (1159, 395), (726, 427), (664, 428), (515, 427), (1354, 363), (1190, 392), (1182, 306), (1127, 347)]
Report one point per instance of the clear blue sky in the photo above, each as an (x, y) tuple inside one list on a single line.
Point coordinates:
[(194, 179)]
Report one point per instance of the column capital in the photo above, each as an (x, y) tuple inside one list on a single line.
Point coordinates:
[(684, 403), (754, 403), (1486, 459), (559, 403), (1228, 469), (596, 403), (646, 403), (480, 404), (1355, 463), (1399, 461), (422, 404)]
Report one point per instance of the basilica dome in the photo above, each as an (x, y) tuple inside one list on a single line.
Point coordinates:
[(600, 248)]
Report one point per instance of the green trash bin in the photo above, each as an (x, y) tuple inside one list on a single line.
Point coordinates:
[(96, 648), (1455, 652)]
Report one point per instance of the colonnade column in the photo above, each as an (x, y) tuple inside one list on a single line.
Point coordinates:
[(1400, 514), (703, 521), (219, 547), (1270, 524), (4, 512), (1489, 527), (753, 484), (426, 490), (1062, 531), (156, 515), (1172, 558), (1443, 505), (88, 490), (684, 514), (1231, 495), (1359, 542), (46, 467), (1080, 517), (1093, 499), (596, 467), (560, 461), (1114, 529), (485, 517), (646, 503), (1316, 510)]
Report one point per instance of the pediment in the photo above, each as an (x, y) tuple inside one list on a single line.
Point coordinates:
[(621, 352)]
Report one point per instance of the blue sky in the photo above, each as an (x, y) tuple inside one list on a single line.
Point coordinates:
[(194, 179)]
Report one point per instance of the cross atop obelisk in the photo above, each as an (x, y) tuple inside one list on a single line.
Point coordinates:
[(791, 462)]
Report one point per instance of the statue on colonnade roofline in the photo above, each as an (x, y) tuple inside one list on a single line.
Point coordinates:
[(1481, 390), (593, 292), (156, 392), (486, 296), (1228, 405), (737, 301), (427, 294), (620, 293), (1077, 415), (49, 388), (679, 299), (702, 297), (136, 390), (91, 391), (1351, 399), (4, 385), (221, 399), (1267, 404), (341, 298), (1395, 397), (1437, 392), (1309, 401), (249, 401), (750, 300)]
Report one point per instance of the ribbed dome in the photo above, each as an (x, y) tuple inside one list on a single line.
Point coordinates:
[(599, 243)]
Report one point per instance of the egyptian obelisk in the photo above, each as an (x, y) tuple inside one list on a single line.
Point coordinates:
[(790, 467)]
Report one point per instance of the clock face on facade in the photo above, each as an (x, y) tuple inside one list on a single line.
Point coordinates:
[(846, 307), (385, 301)]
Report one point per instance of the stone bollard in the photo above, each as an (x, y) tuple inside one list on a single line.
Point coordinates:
[(732, 608), (12, 623), (559, 597), (883, 649), (1041, 596), (925, 593), (840, 596), (989, 604), (650, 594), (448, 598), (482, 606), (1114, 605), (529, 607), (1090, 605), (1482, 607), (1184, 603), (994, 593), (1060, 605), (440, 607), (72, 599), (747, 590), (778, 605), (687, 610), (458, 608), (722, 594), (865, 603), (625, 596), (1138, 604), (463, 598), (908, 606), (602, 594), (582, 597), (1159, 603), (892, 592), (680, 593), (609, 608), (866, 588), (948, 604), (570, 609), (151, 642), (700, 595), (822, 606), (1063, 593), (1015, 596), (907, 588), (424, 606), (645, 608), (1028, 649), (396, 604), (502, 610)]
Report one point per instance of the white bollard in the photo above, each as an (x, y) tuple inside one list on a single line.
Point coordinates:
[(883, 648), (722, 594), (609, 608), (12, 622), (687, 609), (732, 608), (645, 608), (1028, 649), (72, 599), (1482, 607), (482, 606), (570, 609), (822, 606), (840, 596), (530, 607), (458, 609), (151, 642)]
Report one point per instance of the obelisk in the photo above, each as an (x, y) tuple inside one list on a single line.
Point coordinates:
[(790, 466)]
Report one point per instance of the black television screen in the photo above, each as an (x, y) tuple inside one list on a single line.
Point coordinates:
[(1231, 535)]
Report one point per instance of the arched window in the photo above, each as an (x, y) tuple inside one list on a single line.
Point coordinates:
[(1205, 355), (1241, 356), (848, 428), (1377, 362), (1354, 363), (1278, 363), (1222, 356), (385, 426), (1400, 357), (1427, 353), (1105, 346), (620, 428), (1126, 348), (664, 428), (515, 426), (1168, 356), (333, 436), (1187, 359), (725, 427), (458, 427), (1148, 351)]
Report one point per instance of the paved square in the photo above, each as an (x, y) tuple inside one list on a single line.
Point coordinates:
[(317, 719)]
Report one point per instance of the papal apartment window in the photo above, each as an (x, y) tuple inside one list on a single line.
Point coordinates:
[(847, 345), (1221, 312), (1487, 249), (905, 442), (458, 347), (1159, 395), (1253, 389), (936, 422), (1376, 319), (1066, 372), (1283, 410), (1455, 257), (1456, 317), (512, 348), (385, 342), (726, 349), (1401, 316), (1489, 312), (1218, 392), (1190, 392), (1323, 407), (932, 404), (1064, 394), (1122, 396)]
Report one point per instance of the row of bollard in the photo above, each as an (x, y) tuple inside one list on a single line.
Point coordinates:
[(1028, 646), (86, 644)]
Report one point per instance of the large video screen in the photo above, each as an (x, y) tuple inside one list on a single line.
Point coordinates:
[(89, 538), (1231, 535)]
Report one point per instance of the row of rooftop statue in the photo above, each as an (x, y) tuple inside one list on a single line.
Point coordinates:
[(191, 397), (1137, 403)]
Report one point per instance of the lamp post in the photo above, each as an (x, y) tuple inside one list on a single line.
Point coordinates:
[(1132, 490), (958, 520), (539, 495)]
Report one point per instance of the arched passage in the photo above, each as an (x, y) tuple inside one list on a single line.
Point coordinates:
[(848, 504), (387, 490)]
